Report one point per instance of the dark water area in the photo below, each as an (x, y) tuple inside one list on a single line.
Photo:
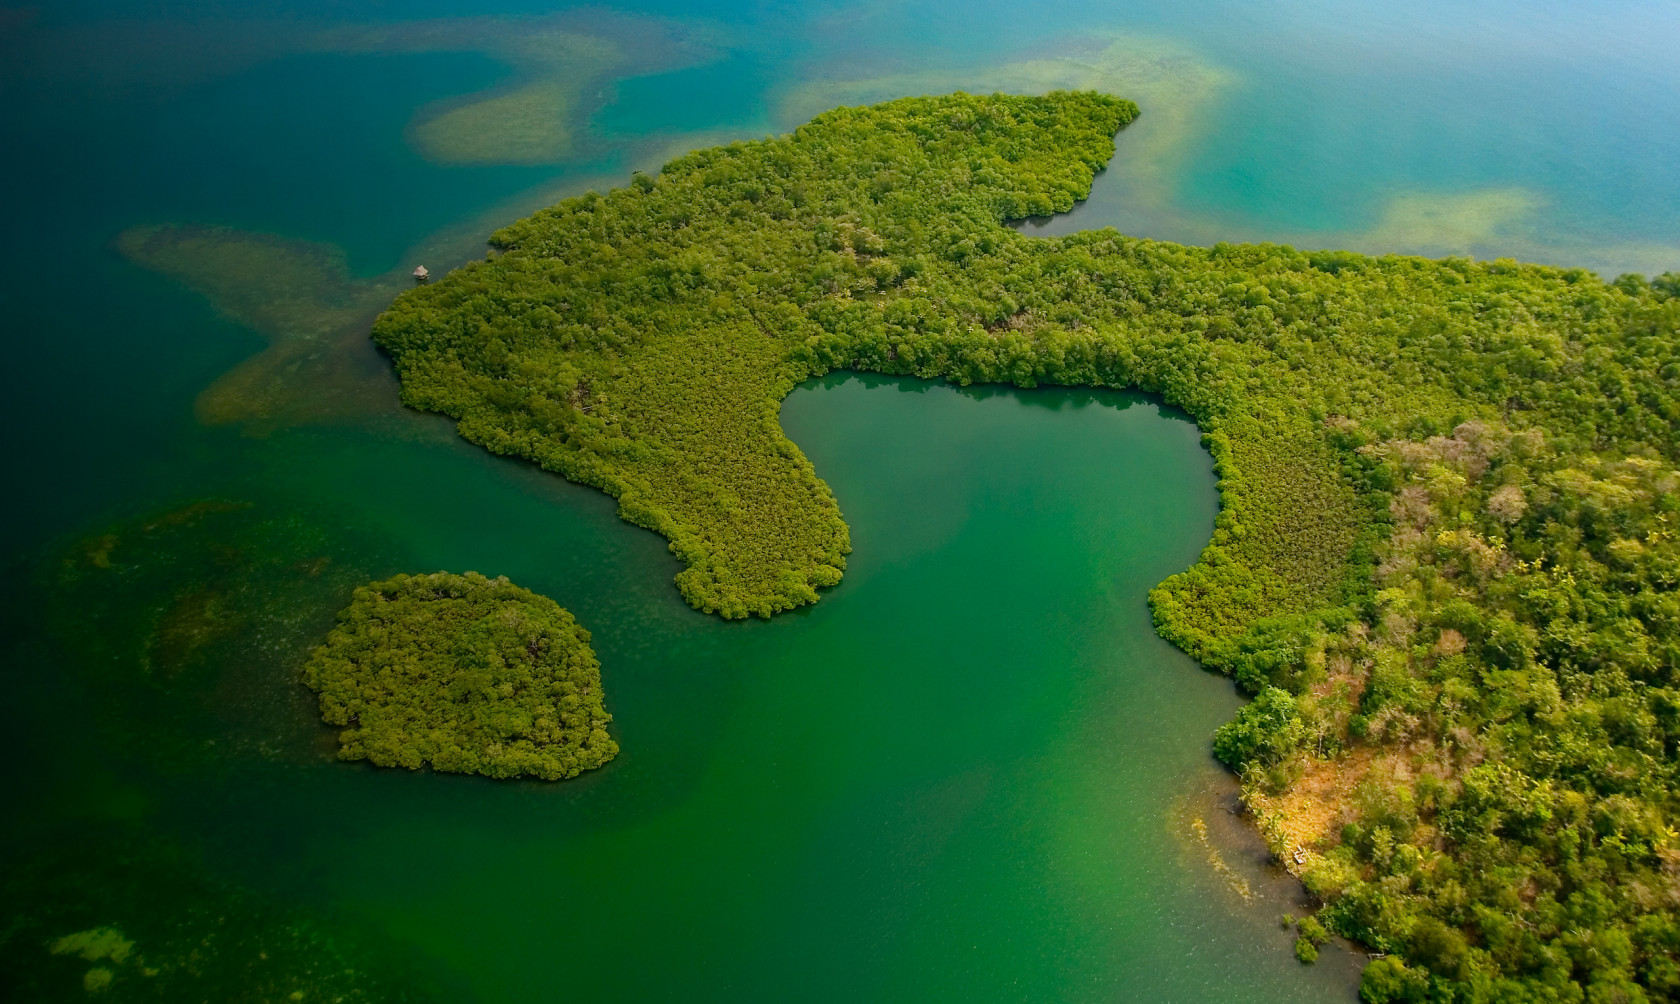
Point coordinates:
[(971, 772)]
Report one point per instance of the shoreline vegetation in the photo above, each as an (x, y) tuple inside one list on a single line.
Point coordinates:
[(464, 674), (1444, 561)]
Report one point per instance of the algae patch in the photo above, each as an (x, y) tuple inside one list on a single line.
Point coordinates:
[(532, 124), (298, 295), (192, 621), (559, 65), (115, 914), (99, 944), (1235, 882), (1456, 223), (95, 945), (1507, 221)]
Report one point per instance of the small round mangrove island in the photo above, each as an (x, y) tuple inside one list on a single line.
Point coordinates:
[(468, 674)]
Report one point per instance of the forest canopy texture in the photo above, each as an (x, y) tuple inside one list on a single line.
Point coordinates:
[(1445, 560), (467, 674)]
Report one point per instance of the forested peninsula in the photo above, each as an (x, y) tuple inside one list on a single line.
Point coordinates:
[(1445, 562)]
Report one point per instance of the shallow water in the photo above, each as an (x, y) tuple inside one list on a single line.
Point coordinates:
[(972, 770)]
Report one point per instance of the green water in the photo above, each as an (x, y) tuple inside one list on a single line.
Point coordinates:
[(971, 772), (932, 785)]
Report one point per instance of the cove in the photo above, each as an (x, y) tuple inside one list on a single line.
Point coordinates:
[(968, 774)]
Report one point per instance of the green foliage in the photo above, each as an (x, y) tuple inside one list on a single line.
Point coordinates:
[(1264, 732), (1306, 951), (1312, 934), (1446, 486), (642, 341), (1389, 981), (1521, 645), (468, 674)]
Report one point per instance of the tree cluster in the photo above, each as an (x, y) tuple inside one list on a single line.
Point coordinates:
[(1514, 666), (465, 673)]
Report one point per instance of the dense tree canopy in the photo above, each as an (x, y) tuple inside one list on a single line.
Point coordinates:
[(1443, 558), (464, 673)]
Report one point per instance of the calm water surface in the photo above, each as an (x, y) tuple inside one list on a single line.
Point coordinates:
[(972, 772)]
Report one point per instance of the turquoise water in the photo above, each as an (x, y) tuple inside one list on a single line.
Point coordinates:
[(972, 771), (727, 93)]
